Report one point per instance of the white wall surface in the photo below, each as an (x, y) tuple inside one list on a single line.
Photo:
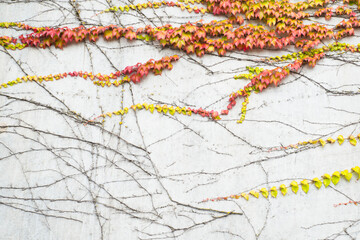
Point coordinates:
[(146, 178)]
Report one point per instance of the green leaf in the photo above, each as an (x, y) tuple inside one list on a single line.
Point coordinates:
[(273, 192), (264, 192), (305, 185), (317, 182), (335, 178), (294, 186), (283, 189), (326, 181), (347, 175)]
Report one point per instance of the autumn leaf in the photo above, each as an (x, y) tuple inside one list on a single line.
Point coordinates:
[(326, 180), (273, 192), (283, 189), (130, 35), (305, 185), (254, 193), (244, 195), (264, 192), (352, 140), (335, 178), (317, 183), (340, 139), (347, 175), (294, 186), (357, 170), (108, 34)]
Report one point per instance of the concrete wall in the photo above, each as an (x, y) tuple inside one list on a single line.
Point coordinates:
[(146, 178)]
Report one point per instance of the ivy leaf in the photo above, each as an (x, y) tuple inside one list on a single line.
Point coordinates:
[(210, 49), (283, 189), (335, 177), (108, 34), (352, 140), (180, 43), (347, 175), (254, 193), (326, 180), (294, 186), (317, 183), (189, 48), (151, 108), (357, 170), (59, 43), (171, 110), (322, 142), (130, 35), (340, 139), (264, 192), (305, 185), (273, 192), (160, 35), (246, 196)]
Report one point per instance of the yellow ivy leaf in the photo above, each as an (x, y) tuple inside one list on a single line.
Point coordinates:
[(327, 178), (294, 186), (305, 185), (347, 175), (165, 108), (246, 196), (171, 110), (273, 192), (340, 139), (317, 182), (254, 193), (159, 108), (352, 140), (331, 140), (322, 142), (283, 189), (151, 108), (335, 177), (264, 192), (357, 170)]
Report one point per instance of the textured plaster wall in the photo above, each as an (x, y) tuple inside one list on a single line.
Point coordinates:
[(146, 178)]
